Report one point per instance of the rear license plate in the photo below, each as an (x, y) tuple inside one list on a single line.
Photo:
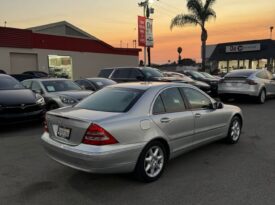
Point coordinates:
[(63, 132)]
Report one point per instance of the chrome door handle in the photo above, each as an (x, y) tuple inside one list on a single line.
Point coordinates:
[(197, 115), (165, 120)]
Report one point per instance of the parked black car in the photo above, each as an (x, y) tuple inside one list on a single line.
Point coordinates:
[(2, 72), (18, 104), (213, 82), (22, 77), (36, 74), (94, 84), (135, 74)]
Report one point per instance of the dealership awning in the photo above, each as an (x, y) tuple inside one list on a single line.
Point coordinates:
[(265, 50)]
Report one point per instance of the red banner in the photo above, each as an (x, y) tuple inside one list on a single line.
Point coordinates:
[(142, 31)]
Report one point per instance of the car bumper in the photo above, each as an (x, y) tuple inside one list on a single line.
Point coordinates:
[(239, 92), (7, 118), (94, 159)]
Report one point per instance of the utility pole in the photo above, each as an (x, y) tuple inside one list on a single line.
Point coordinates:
[(146, 13), (5, 24)]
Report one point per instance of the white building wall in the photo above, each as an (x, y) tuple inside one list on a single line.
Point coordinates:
[(84, 64)]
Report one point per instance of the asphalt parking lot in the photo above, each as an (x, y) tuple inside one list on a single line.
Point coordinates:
[(216, 174)]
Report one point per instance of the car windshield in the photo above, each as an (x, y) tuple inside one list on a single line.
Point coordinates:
[(9, 83), (102, 82), (152, 72), (60, 85), (111, 100), (239, 74), (208, 75), (197, 74)]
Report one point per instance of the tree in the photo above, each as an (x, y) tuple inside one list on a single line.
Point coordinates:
[(179, 51), (199, 14)]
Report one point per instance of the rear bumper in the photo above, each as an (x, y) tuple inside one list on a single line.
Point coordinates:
[(6, 119), (94, 159), (238, 92)]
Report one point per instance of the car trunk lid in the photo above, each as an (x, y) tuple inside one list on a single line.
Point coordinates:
[(69, 125)]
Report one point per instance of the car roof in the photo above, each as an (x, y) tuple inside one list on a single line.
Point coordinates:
[(147, 85), (246, 70), (48, 79), (127, 67)]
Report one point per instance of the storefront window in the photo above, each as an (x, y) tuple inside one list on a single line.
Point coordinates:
[(223, 66), (263, 63), (233, 65), (60, 66)]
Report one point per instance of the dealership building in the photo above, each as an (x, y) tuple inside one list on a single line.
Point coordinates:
[(60, 49), (253, 54)]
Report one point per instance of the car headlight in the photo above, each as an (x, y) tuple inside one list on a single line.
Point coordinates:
[(39, 99), (67, 100)]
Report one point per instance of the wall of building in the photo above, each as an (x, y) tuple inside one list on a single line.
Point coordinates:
[(84, 64)]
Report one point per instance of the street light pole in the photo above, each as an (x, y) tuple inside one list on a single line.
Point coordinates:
[(146, 13)]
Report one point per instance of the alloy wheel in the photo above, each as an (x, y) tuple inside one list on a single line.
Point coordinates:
[(235, 130), (154, 161)]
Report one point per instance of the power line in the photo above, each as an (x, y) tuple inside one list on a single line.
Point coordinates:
[(169, 6)]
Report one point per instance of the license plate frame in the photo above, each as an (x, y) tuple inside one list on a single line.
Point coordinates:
[(63, 132)]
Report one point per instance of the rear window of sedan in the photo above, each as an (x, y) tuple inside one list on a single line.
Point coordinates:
[(236, 74), (111, 100)]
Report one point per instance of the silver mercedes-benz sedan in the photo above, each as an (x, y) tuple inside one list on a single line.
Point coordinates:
[(256, 83), (137, 127)]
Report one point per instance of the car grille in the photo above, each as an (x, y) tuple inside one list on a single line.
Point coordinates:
[(17, 109)]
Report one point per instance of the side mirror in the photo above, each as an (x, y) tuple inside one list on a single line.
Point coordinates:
[(217, 105)]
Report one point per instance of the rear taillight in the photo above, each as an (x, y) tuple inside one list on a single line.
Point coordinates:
[(46, 129), (251, 82), (96, 135)]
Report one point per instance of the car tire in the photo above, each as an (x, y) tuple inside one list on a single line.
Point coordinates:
[(234, 131), (151, 162), (262, 97)]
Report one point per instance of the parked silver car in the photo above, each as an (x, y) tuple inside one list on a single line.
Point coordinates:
[(257, 83), (57, 92), (137, 127)]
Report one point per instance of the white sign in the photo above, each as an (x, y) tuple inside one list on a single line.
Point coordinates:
[(243, 48), (149, 33)]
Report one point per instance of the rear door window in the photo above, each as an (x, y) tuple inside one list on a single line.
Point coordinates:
[(172, 100), (105, 73), (122, 73), (158, 106)]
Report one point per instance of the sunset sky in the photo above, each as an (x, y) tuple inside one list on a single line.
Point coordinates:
[(116, 20)]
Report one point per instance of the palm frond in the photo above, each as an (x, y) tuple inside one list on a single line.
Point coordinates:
[(209, 13), (196, 7), (209, 4), (183, 19)]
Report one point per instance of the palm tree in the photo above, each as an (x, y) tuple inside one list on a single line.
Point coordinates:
[(199, 14)]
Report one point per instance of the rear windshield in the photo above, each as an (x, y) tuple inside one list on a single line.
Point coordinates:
[(239, 74), (60, 85), (152, 72), (9, 83), (105, 73), (103, 82), (111, 100)]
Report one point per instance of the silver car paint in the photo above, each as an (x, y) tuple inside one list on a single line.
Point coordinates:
[(133, 130), (240, 87), (55, 96)]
